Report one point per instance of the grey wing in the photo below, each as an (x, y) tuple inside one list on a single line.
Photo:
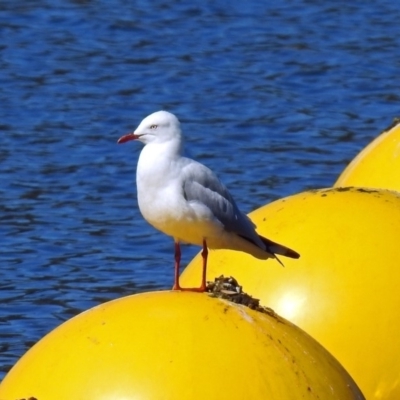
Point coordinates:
[(200, 184)]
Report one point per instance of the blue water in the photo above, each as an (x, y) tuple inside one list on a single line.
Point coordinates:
[(277, 97)]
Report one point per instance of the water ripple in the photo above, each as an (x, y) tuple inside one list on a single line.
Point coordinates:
[(274, 97)]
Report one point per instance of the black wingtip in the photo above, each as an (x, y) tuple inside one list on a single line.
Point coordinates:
[(276, 248), (291, 253)]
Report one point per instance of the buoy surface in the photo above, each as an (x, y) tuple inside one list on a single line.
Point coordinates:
[(343, 290), (177, 345)]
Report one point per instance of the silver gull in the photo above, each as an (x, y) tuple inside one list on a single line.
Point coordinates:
[(185, 199)]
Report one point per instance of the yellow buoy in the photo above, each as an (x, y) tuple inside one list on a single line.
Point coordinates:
[(344, 289), (378, 164), (177, 345)]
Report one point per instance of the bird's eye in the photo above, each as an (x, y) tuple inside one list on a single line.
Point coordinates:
[(153, 126)]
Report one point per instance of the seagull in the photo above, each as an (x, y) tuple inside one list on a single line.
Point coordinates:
[(185, 200)]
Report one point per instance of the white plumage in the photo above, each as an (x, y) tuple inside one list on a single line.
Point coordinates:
[(185, 200)]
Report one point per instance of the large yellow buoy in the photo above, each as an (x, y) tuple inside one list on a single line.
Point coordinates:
[(344, 289), (378, 164), (177, 345)]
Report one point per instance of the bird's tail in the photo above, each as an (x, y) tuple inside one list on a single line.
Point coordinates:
[(276, 248)]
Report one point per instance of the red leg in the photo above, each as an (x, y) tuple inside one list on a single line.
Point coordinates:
[(177, 265), (204, 254)]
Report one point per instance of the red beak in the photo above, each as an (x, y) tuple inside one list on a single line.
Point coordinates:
[(127, 138)]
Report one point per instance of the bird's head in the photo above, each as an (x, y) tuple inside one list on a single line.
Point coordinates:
[(158, 127)]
